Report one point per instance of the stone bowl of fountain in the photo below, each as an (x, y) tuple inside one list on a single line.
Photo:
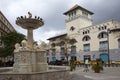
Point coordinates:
[(30, 62), (32, 23)]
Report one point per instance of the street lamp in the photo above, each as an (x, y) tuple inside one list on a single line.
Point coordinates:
[(108, 31)]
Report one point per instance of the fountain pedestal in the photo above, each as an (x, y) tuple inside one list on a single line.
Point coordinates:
[(30, 61)]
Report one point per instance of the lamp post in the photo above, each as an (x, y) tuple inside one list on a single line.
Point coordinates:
[(108, 31)]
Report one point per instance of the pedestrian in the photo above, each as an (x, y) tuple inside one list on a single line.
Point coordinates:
[(86, 66)]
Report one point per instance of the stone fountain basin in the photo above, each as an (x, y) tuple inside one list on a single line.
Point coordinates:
[(29, 23), (54, 73)]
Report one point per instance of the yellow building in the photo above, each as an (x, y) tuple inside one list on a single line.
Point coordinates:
[(93, 41)]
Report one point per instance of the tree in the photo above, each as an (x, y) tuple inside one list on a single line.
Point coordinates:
[(43, 45), (68, 41), (9, 41)]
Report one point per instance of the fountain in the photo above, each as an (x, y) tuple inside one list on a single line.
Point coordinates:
[(29, 59)]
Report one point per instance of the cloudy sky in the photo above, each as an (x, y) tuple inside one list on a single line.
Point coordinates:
[(52, 13)]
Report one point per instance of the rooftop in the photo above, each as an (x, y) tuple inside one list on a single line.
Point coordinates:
[(77, 7)]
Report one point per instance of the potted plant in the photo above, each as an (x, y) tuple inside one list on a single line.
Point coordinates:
[(97, 67), (72, 65)]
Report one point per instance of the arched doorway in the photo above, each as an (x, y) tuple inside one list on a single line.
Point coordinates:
[(104, 57)]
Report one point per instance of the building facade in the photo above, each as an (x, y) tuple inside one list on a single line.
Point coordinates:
[(93, 41), (5, 27)]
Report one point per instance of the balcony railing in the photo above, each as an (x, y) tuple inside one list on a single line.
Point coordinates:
[(73, 52), (75, 17), (86, 50), (103, 49)]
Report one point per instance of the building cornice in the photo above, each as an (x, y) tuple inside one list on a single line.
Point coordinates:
[(57, 36), (77, 7)]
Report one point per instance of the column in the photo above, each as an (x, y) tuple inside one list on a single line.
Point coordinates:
[(30, 37)]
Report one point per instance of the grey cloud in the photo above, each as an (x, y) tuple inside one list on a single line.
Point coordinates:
[(52, 11), (104, 10)]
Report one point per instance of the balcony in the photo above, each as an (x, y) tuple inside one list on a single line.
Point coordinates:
[(103, 49), (86, 50), (76, 17), (73, 52)]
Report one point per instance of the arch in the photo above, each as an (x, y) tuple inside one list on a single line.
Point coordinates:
[(72, 41), (86, 38), (62, 43), (102, 35)]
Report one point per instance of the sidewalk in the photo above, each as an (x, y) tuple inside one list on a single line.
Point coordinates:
[(109, 73)]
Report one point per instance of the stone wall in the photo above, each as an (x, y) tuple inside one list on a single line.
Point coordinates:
[(55, 75)]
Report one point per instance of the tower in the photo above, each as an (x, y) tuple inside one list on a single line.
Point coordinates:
[(77, 17)]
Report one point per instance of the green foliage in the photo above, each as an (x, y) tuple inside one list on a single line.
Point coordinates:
[(72, 65), (72, 41), (99, 60), (66, 41), (9, 41), (97, 67), (12, 38)]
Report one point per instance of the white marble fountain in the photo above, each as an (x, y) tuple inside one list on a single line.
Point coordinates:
[(29, 57)]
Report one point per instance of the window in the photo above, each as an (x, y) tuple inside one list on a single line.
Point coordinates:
[(86, 32), (53, 58), (72, 14), (103, 45), (102, 35), (74, 58), (62, 43), (73, 49), (86, 38), (72, 28), (47, 53), (102, 28), (53, 52), (85, 14), (118, 43), (83, 33), (86, 47), (53, 44), (105, 27), (62, 51)]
